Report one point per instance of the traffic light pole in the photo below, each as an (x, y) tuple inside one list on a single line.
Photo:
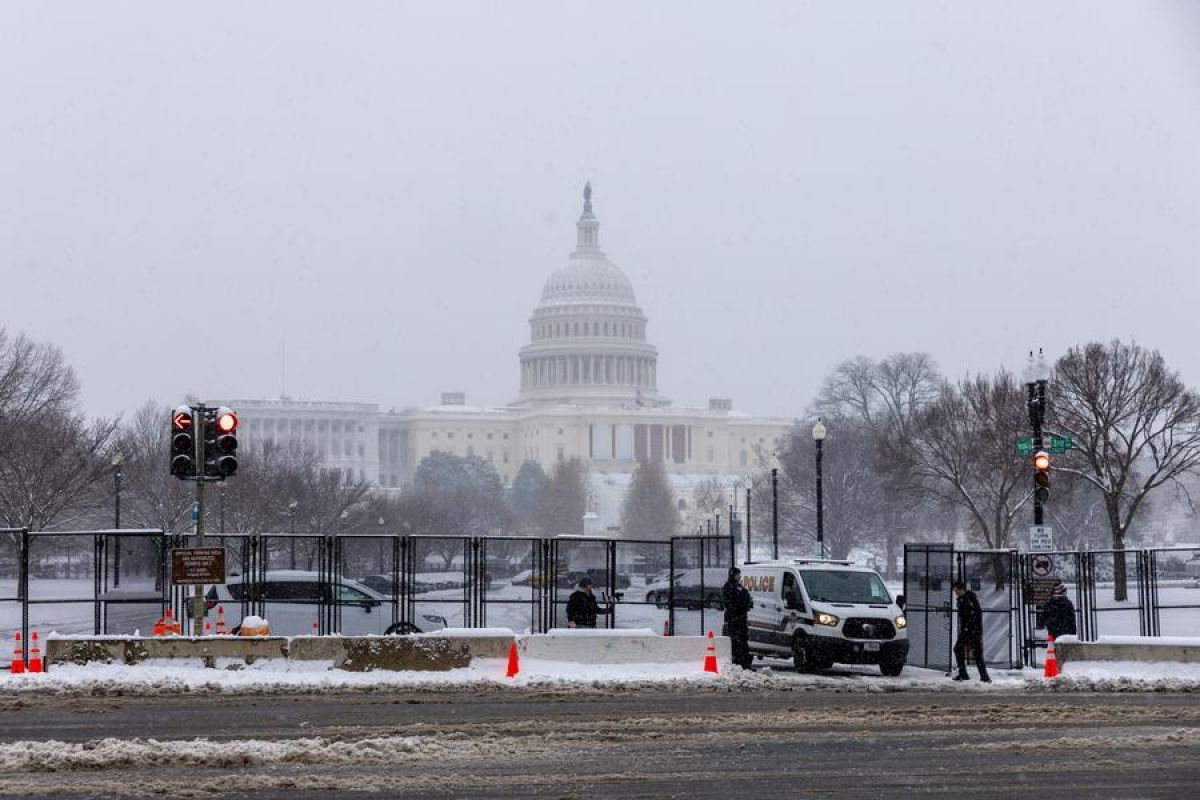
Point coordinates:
[(1036, 392), (201, 487)]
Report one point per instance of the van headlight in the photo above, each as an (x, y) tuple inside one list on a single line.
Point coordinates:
[(821, 618), (901, 622)]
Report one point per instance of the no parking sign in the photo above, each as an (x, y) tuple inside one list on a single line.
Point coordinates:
[(1041, 565)]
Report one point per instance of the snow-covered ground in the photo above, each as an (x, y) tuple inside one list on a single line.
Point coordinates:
[(277, 676)]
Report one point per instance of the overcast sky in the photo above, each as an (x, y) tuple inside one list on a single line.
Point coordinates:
[(388, 185)]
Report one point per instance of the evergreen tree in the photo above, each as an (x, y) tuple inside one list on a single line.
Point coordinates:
[(564, 499), (649, 509)]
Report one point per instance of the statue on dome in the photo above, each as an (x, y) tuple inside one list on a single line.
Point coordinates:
[(587, 196)]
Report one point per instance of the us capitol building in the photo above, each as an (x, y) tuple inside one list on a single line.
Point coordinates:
[(589, 390)]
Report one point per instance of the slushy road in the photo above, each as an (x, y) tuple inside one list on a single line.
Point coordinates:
[(546, 743)]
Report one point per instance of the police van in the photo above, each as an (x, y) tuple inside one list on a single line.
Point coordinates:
[(820, 612)]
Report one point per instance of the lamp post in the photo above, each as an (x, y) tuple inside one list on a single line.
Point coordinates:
[(774, 506), (117, 459), (292, 529), (818, 434), (749, 489)]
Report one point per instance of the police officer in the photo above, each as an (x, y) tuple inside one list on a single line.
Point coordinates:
[(1059, 613), (582, 607), (737, 606), (970, 633)]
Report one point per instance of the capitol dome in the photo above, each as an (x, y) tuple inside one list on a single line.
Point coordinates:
[(588, 335)]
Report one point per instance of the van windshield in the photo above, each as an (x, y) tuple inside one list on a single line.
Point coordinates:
[(833, 586)]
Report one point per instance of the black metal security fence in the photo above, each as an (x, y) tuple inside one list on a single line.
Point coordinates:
[(120, 582), (1161, 597)]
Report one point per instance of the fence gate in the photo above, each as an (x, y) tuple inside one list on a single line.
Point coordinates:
[(928, 575)]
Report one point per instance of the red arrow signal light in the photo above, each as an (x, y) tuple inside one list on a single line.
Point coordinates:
[(181, 418)]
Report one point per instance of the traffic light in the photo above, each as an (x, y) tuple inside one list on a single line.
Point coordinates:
[(1041, 476), (183, 442), (221, 444)]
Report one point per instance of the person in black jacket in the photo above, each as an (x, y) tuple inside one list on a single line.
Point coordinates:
[(582, 607), (970, 633), (737, 604), (1059, 613)]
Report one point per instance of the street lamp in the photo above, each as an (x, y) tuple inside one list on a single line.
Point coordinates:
[(292, 526), (774, 506), (749, 490), (117, 459), (818, 434)]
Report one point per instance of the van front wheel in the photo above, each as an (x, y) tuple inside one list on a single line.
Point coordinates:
[(891, 667), (801, 656)]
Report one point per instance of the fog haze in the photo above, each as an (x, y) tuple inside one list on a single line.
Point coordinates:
[(386, 186)]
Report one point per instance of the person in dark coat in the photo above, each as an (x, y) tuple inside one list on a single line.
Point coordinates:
[(970, 633), (1059, 613), (737, 604), (582, 608)]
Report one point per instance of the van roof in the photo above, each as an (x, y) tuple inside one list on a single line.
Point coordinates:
[(810, 562)]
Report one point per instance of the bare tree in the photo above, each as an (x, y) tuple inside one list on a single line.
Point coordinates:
[(51, 456), (1137, 427), (960, 448)]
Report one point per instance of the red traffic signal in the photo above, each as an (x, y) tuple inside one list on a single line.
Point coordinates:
[(183, 443), (227, 421), (1041, 476)]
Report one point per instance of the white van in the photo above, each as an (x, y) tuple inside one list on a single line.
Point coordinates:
[(821, 612)]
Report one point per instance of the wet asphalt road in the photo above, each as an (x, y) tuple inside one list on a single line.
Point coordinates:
[(515, 744)]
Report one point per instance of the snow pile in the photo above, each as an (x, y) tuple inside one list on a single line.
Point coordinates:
[(111, 753), (1122, 676)]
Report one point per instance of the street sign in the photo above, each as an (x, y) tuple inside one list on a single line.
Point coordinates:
[(1024, 446), (193, 565), (1061, 444), (1042, 566), (1041, 538)]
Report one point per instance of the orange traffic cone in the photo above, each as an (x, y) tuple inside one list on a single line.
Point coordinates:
[(710, 658), (18, 660), (171, 625), (1051, 670), (160, 627), (666, 627), (35, 654), (316, 629), (221, 621), (208, 629), (514, 665)]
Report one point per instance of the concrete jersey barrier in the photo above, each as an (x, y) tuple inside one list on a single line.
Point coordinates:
[(438, 651), (617, 646), (1184, 650)]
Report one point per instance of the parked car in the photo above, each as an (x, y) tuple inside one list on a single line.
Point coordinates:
[(294, 599), (690, 590)]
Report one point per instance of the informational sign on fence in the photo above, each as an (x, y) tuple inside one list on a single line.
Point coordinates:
[(1036, 591), (192, 565)]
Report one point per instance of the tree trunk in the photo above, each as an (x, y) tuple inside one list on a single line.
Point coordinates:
[(1120, 585), (1000, 562)]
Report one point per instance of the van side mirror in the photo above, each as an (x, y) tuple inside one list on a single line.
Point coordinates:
[(900, 601)]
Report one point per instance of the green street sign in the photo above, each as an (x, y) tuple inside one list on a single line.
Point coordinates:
[(1025, 446), (1060, 444)]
